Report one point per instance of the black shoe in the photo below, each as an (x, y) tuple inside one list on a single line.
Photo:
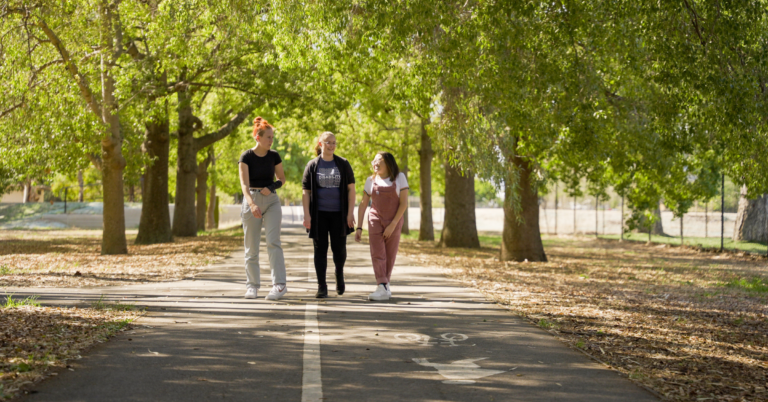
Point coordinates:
[(340, 286), (322, 292)]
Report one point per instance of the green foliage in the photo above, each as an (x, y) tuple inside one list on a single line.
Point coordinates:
[(583, 92)]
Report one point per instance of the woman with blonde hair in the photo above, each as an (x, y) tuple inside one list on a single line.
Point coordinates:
[(329, 201), (261, 207)]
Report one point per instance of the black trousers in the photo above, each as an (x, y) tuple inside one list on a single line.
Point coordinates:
[(329, 223)]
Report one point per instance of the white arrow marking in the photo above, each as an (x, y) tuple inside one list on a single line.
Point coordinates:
[(460, 371)]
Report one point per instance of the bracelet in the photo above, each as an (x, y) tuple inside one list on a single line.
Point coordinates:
[(358, 229)]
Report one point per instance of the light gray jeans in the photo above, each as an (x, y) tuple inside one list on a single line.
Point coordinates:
[(271, 217)]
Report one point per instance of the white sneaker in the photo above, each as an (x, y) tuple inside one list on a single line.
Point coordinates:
[(389, 290), (250, 293), (277, 292), (379, 294)]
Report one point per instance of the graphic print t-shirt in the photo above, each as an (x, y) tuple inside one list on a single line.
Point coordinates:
[(328, 191)]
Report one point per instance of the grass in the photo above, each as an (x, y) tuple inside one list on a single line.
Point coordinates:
[(544, 324), (756, 285), (10, 302), (704, 242)]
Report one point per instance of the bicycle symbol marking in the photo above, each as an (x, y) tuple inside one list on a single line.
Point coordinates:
[(447, 339)]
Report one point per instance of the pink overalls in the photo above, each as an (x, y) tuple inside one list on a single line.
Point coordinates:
[(385, 202)]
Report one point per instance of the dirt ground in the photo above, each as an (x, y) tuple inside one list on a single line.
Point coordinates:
[(692, 326)]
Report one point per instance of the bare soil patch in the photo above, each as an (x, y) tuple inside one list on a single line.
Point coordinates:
[(692, 326), (67, 258)]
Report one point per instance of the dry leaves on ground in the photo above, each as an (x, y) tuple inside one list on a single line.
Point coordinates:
[(35, 341), (692, 326), (69, 258)]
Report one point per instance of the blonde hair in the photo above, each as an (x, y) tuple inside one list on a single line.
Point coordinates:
[(323, 136)]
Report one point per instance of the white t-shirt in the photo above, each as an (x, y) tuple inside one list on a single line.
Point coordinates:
[(401, 183)]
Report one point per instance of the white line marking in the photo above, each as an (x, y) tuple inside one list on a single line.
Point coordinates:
[(312, 384)]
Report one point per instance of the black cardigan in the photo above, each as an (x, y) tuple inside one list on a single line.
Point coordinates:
[(309, 182)]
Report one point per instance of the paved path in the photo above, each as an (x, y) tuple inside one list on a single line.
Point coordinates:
[(435, 341)]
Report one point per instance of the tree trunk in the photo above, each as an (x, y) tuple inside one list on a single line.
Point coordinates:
[(752, 219), (202, 190), (706, 219), (621, 234), (682, 239), (155, 221), (521, 239), (657, 229), (426, 227), (211, 222), (27, 192), (131, 193), (81, 185), (574, 215), (556, 208), (460, 226), (184, 215), (113, 237), (113, 163)]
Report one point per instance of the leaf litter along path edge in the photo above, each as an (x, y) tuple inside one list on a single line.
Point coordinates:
[(72, 258), (684, 323)]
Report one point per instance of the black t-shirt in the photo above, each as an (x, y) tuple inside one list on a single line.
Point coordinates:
[(261, 169)]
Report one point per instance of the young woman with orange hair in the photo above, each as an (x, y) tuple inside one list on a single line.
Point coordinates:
[(261, 207)]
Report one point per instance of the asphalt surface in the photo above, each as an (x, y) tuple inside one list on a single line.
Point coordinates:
[(434, 341)]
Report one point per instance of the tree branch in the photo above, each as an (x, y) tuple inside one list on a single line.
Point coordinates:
[(227, 86), (11, 109), (385, 126), (71, 67), (695, 22), (224, 130)]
